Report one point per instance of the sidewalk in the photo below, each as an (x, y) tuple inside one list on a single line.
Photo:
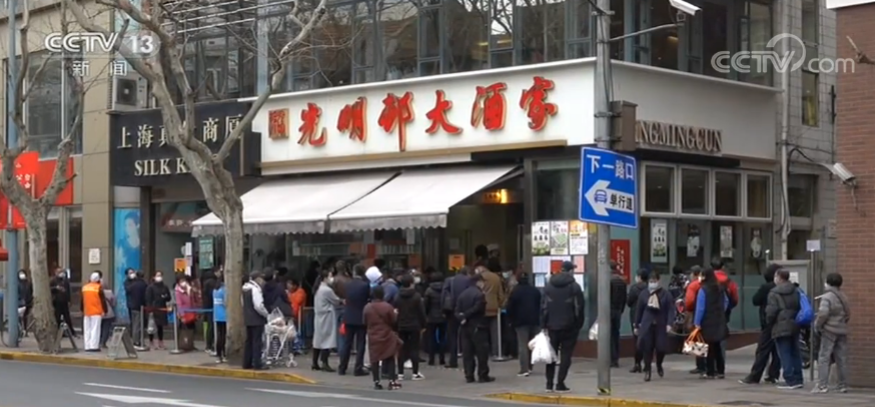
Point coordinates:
[(197, 363), (677, 388)]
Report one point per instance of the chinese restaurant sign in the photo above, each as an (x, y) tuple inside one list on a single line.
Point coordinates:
[(141, 155), (35, 176), (481, 110)]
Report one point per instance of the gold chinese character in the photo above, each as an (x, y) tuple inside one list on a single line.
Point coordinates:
[(125, 135), (144, 136), (163, 136), (231, 123), (211, 130)]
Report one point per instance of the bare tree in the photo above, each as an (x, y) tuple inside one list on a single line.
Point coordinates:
[(206, 166), (35, 209)]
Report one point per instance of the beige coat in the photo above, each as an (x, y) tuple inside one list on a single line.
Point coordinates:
[(493, 289)]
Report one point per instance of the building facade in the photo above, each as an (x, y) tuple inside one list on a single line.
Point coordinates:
[(855, 200), (79, 229)]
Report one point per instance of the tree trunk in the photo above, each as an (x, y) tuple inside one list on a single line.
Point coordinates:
[(234, 276), (45, 328)]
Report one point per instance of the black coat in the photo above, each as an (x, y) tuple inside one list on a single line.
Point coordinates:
[(781, 309), (562, 305), (760, 300), (135, 292), (618, 296), (523, 305), (651, 322), (275, 297), (471, 307), (411, 312), (60, 293), (358, 293), (713, 324), (157, 297), (208, 284), (434, 312), (635, 291)]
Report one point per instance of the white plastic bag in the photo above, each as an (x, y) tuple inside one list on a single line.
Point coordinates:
[(151, 326), (594, 332), (542, 352)]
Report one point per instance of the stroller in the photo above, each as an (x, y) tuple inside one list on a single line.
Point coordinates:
[(279, 334)]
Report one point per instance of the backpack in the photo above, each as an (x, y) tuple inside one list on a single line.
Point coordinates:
[(805, 316), (728, 291)]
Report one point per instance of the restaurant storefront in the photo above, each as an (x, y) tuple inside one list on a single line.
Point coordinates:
[(422, 171)]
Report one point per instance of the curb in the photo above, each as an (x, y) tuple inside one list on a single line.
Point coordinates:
[(157, 368), (584, 400)]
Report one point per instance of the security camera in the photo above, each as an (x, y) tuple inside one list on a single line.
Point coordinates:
[(684, 7), (842, 172)]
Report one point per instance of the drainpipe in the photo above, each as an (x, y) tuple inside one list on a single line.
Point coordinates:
[(785, 130)]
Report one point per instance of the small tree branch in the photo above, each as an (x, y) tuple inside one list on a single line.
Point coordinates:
[(861, 56)]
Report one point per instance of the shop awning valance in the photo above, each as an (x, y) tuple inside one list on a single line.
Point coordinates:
[(416, 198), (297, 205)]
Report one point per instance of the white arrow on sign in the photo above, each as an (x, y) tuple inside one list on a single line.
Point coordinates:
[(145, 400), (350, 396), (601, 204)]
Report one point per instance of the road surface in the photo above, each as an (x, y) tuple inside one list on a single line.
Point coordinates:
[(43, 385)]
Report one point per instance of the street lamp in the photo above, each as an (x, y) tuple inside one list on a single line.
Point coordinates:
[(603, 115)]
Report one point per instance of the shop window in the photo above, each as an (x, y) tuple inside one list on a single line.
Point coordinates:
[(810, 98), (810, 21), (663, 43), (690, 243), (727, 193), (659, 189), (758, 196), (715, 34), (756, 31), (75, 252), (557, 192), (801, 195), (694, 191), (797, 245)]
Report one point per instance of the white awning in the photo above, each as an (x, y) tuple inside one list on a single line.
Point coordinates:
[(299, 205), (416, 199)]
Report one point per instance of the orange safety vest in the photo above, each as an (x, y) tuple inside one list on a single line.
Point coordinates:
[(92, 304)]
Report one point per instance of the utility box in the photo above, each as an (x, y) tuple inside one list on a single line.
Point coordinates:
[(623, 122), (800, 272)]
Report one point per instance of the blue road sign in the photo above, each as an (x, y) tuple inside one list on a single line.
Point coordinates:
[(608, 188)]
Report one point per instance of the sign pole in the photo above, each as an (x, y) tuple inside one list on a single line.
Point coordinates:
[(603, 275)]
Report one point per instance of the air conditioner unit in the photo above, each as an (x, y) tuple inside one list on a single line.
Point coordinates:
[(129, 92)]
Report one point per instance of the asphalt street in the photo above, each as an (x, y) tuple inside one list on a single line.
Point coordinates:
[(43, 385)]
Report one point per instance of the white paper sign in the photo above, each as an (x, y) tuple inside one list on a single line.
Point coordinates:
[(812, 245), (93, 256), (658, 241)]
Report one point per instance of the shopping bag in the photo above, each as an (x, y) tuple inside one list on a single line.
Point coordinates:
[(542, 351), (594, 332), (150, 326), (695, 345)]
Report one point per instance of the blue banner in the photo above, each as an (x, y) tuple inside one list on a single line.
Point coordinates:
[(126, 235)]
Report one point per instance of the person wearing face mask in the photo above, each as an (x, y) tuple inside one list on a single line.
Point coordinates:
[(325, 303), (562, 310), (60, 289), (831, 322), (411, 321), (618, 304), (185, 302), (470, 311), (493, 289), (255, 318), (157, 299), (690, 296), (712, 302), (653, 319), (766, 348), (93, 310), (635, 291), (25, 297), (135, 292)]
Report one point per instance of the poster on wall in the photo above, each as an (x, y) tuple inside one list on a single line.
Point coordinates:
[(126, 235), (540, 238), (756, 243), (659, 241), (725, 241), (692, 240), (559, 238), (540, 265), (621, 253), (578, 238), (205, 252)]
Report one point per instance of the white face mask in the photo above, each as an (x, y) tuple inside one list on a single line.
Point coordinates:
[(330, 280), (22, 276), (159, 279), (416, 280), (652, 285), (506, 274), (132, 276)]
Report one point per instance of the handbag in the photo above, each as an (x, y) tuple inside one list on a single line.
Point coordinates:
[(695, 345), (151, 327)]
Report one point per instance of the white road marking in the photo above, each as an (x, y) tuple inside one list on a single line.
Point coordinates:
[(145, 400), (351, 396), (112, 386)]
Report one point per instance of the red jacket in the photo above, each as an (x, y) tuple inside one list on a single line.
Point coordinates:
[(731, 287), (690, 296)]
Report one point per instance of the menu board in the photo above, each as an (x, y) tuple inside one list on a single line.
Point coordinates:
[(540, 238), (559, 238)]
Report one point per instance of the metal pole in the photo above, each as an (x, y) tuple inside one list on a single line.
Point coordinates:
[(11, 142), (811, 282), (500, 356), (175, 350), (602, 109)]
